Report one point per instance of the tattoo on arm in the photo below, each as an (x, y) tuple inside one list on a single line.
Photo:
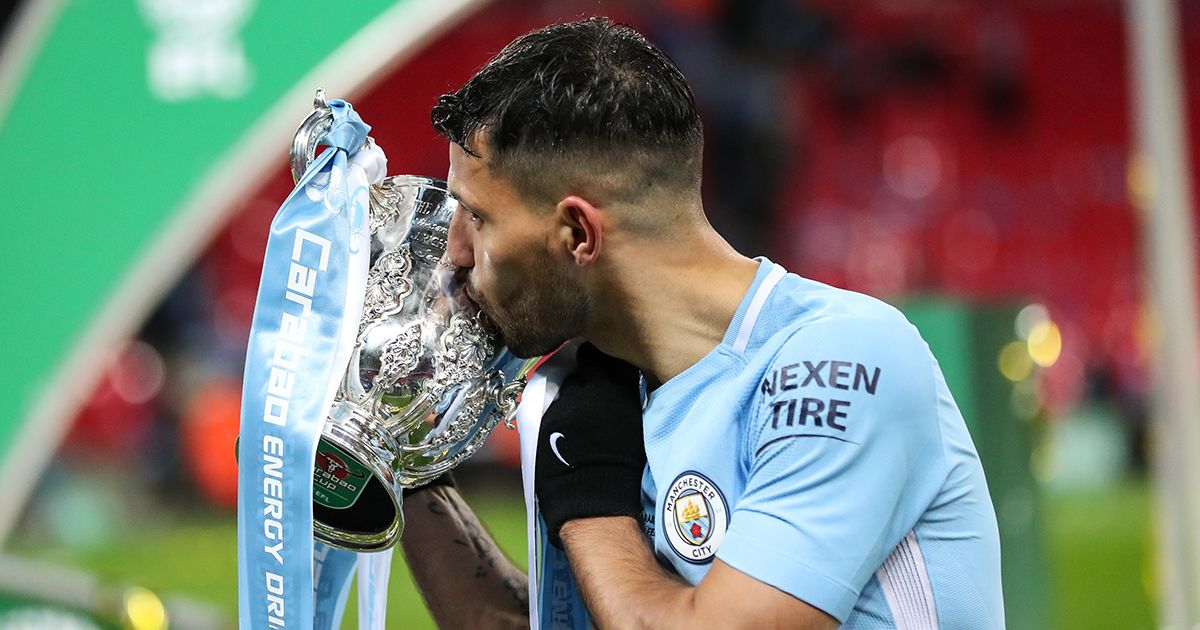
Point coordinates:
[(447, 547), (436, 507), (481, 544), (519, 589)]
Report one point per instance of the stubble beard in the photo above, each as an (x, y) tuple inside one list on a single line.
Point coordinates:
[(541, 313)]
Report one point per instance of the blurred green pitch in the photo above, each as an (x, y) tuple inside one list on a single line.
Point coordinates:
[(1098, 543)]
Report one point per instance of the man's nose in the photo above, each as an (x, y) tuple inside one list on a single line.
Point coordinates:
[(459, 248)]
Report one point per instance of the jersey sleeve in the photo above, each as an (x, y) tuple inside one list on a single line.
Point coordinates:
[(843, 455)]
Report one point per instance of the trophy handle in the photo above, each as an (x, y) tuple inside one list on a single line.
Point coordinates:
[(506, 397), (310, 134)]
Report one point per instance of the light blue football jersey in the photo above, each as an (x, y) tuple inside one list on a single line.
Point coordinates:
[(818, 450)]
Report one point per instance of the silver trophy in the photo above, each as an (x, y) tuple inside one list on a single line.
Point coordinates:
[(427, 381)]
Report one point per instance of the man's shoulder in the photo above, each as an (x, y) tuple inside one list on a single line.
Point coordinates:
[(808, 315), (841, 348)]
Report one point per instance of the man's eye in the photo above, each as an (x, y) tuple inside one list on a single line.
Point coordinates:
[(471, 216)]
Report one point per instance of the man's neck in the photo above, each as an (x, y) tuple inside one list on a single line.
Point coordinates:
[(663, 307)]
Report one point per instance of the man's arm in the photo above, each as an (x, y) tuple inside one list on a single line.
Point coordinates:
[(624, 587), (589, 468), (466, 580)]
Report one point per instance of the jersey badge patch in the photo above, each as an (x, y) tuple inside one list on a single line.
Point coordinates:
[(695, 517)]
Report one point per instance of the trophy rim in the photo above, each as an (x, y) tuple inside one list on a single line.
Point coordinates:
[(365, 543), (422, 181), (352, 434)]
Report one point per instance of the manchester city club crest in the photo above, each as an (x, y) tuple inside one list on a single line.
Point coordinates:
[(695, 517)]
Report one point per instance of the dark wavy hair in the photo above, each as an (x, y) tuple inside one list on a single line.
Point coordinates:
[(588, 104)]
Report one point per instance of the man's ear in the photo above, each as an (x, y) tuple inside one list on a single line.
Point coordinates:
[(582, 228)]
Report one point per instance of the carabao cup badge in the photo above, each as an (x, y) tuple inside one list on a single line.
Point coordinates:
[(695, 517), (338, 478)]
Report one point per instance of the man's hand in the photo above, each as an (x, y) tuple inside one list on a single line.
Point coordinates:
[(590, 455)]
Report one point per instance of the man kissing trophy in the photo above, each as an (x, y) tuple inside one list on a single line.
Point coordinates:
[(368, 371)]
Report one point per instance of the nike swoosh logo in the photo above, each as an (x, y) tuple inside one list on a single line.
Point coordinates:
[(554, 438)]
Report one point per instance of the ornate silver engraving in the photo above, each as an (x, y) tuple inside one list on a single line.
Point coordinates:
[(463, 351), (387, 286), (386, 203), (401, 354), (472, 407)]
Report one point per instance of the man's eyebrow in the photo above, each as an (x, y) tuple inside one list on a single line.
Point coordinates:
[(470, 207)]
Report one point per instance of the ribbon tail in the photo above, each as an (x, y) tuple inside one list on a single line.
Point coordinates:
[(333, 570), (373, 572)]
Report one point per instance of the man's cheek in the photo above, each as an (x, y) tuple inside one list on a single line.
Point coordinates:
[(485, 284), (496, 275), (484, 269)]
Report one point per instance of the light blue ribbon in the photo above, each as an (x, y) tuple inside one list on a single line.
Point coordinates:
[(373, 570), (295, 357), (560, 605), (333, 570)]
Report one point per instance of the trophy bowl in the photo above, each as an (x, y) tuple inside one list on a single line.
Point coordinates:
[(427, 380)]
